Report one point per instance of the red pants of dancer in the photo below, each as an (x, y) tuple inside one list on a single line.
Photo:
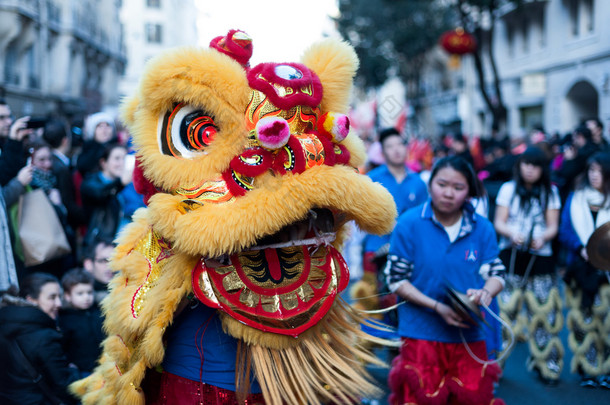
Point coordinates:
[(170, 389), (434, 373)]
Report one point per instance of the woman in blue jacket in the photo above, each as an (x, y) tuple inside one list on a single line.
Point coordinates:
[(443, 242), (588, 292)]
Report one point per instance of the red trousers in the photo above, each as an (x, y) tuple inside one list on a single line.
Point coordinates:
[(435, 373), (170, 389)]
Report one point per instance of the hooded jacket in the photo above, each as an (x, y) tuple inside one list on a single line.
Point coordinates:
[(40, 340)]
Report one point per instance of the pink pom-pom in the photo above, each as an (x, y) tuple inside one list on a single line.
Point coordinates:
[(341, 127), (272, 132), (334, 126)]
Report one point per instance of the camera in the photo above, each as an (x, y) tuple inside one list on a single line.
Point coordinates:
[(36, 122)]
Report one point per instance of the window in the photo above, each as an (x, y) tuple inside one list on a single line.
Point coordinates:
[(31, 68), (153, 3), (510, 39), (589, 15), (574, 17), (11, 67), (541, 29), (154, 33), (524, 35)]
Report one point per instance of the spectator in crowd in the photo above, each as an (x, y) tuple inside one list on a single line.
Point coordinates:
[(29, 322), (587, 290), (99, 132), (597, 133), (527, 220), (42, 175), (95, 262), (130, 198), (8, 272), (433, 363), (406, 187), (408, 191), (100, 194), (459, 147), (43, 178), (11, 193), (575, 158), (13, 135), (80, 321), (58, 138)]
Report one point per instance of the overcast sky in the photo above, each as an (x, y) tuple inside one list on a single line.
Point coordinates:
[(280, 30)]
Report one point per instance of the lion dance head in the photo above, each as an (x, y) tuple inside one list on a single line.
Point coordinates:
[(249, 173)]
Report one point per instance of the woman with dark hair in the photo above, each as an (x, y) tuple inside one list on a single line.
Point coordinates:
[(588, 292), (100, 132), (527, 220), (28, 323), (100, 194), (575, 158), (440, 243)]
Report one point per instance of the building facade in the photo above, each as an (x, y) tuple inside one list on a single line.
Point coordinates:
[(60, 57), (150, 27), (553, 58)]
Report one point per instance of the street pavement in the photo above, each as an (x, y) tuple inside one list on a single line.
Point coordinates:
[(520, 387)]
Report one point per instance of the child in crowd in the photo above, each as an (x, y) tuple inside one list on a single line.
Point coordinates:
[(80, 321), (95, 262)]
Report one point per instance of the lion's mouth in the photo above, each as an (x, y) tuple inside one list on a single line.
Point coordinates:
[(317, 229)]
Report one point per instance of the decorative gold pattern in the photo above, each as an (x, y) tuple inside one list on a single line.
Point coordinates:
[(300, 118), (313, 149), (155, 250), (213, 191), (250, 288)]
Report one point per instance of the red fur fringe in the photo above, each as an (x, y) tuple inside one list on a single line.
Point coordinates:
[(141, 183), (232, 49), (252, 170), (269, 78), (329, 150), (343, 157), (232, 185)]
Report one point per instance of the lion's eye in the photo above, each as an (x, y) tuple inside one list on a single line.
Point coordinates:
[(186, 131)]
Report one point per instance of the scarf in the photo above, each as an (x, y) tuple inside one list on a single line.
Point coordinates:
[(43, 180), (580, 212)]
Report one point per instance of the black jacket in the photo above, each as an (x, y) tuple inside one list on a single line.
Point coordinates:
[(40, 340), (13, 157), (65, 185), (82, 330), (102, 205)]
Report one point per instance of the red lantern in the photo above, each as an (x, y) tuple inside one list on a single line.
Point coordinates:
[(457, 42)]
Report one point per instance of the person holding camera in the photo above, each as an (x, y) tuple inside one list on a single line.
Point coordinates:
[(13, 135)]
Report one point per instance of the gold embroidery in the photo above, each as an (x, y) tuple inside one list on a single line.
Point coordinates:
[(155, 250)]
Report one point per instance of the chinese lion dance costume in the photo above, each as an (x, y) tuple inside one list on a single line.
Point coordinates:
[(249, 178)]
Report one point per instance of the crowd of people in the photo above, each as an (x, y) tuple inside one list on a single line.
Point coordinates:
[(508, 228), (506, 223), (49, 309)]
